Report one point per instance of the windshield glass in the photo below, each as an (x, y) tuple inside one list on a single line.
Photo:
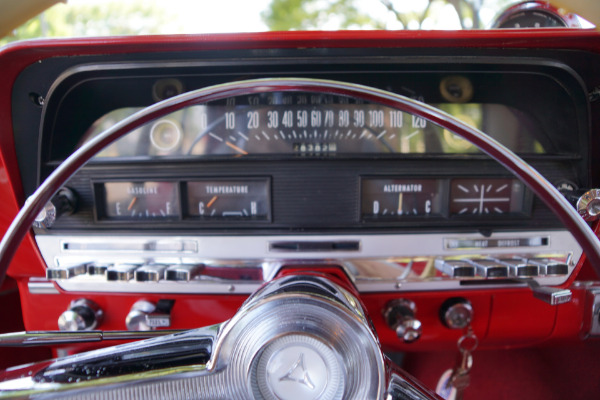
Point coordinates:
[(84, 18)]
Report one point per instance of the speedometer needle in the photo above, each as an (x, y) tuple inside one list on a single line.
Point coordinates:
[(234, 147)]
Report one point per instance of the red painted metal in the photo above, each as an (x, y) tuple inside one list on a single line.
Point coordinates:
[(41, 311), (502, 319)]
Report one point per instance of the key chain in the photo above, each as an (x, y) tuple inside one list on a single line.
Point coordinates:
[(454, 381)]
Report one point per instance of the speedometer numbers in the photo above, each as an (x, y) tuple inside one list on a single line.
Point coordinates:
[(304, 124)]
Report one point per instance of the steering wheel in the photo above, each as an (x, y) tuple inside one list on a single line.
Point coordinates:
[(318, 300)]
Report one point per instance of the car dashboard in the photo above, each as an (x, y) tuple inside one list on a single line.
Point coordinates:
[(200, 208)]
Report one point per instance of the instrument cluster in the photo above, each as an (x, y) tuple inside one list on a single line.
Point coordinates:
[(249, 199)]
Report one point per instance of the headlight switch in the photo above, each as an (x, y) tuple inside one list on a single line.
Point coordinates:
[(82, 315), (400, 316)]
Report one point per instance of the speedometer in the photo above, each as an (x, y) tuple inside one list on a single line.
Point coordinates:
[(306, 125)]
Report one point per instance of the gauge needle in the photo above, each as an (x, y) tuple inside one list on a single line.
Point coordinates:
[(212, 201), (234, 147), (130, 206), (400, 198)]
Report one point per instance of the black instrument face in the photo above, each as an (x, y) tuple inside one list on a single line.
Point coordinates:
[(330, 163), (533, 19), (389, 199), (308, 125), (486, 197), (461, 198), (150, 200), (224, 200), (211, 200), (535, 14)]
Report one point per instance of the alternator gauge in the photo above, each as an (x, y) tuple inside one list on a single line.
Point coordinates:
[(401, 198)]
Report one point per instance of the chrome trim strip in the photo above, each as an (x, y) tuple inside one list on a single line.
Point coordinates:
[(257, 247), (36, 286), (376, 252)]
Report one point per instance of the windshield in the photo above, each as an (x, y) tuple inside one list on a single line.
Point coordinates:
[(84, 18)]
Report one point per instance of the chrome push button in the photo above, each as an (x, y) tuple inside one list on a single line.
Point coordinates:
[(455, 268)]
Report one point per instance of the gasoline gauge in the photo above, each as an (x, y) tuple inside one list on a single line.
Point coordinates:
[(138, 200)]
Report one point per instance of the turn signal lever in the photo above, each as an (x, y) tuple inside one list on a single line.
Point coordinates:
[(400, 316)]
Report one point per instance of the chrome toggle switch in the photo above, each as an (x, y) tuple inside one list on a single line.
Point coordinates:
[(455, 268), (121, 272), (519, 268), (96, 269), (150, 273), (183, 272), (82, 315), (67, 271), (146, 316), (400, 316), (550, 295), (489, 268), (550, 267)]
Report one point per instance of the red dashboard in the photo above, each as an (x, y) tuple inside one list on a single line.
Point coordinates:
[(312, 212)]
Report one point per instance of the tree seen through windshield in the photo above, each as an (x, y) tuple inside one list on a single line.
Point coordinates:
[(86, 18)]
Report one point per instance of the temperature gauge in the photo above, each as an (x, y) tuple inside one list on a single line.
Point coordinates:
[(226, 200), (401, 198)]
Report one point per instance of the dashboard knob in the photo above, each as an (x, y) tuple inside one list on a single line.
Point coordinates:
[(456, 313), (400, 316), (82, 315), (63, 203), (146, 316), (588, 205)]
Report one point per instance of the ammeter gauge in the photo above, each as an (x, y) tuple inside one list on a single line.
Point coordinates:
[(401, 198)]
